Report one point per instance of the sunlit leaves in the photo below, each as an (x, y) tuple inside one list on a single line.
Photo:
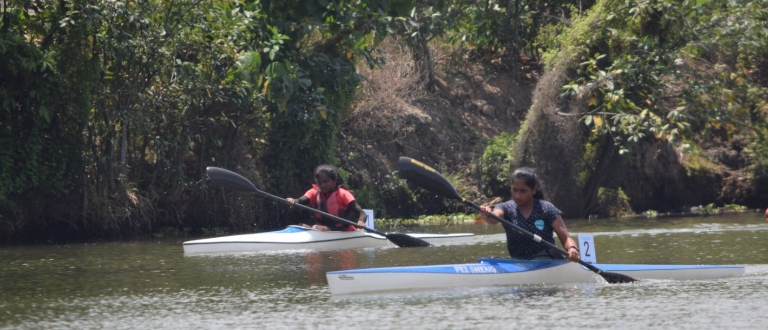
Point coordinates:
[(665, 69), (275, 42), (247, 66)]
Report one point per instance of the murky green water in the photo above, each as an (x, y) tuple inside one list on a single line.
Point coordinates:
[(151, 285)]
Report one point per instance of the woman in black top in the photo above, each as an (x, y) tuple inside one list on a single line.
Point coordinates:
[(530, 211)]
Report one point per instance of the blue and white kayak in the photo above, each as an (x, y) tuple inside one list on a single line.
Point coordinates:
[(494, 271), (301, 238)]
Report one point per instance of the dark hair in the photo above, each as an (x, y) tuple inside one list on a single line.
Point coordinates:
[(331, 171), (529, 178)]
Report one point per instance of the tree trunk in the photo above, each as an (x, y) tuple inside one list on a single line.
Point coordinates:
[(124, 149), (512, 37), (422, 58), (598, 175)]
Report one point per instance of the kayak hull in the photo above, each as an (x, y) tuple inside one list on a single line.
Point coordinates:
[(493, 271), (300, 238)]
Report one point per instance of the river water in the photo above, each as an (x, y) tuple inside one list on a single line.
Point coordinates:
[(152, 285)]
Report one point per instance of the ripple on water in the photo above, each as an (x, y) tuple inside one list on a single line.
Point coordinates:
[(151, 285)]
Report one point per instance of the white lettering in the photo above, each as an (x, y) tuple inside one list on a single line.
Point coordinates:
[(483, 270), (461, 269), (475, 269)]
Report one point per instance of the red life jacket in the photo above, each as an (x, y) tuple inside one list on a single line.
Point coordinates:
[(331, 206)]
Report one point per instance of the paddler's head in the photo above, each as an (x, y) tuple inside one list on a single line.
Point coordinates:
[(327, 178)]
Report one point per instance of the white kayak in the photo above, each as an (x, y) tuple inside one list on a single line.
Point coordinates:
[(299, 238), (494, 271)]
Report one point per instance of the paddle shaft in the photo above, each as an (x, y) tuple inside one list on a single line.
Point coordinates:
[(530, 235), (237, 182), (430, 179)]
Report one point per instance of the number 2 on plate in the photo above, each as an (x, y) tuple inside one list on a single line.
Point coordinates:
[(587, 248)]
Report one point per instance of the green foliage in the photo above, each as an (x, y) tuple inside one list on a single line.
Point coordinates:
[(389, 197), (480, 25), (489, 26), (496, 164), (425, 220), (309, 82), (613, 203), (394, 191), (140, 96), (304, 133), (579, 38), (111, 110), (757, 147), (710, 208), (695, 160), (168, 232), (628, 63), (425, 23), (368, 198), (546, 41), (457, 180), (736, 208), (39, 125)]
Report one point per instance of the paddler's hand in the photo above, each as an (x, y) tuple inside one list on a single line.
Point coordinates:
[(320, 227), (290, 201), (573, 254), (485, 211), (361, 223)]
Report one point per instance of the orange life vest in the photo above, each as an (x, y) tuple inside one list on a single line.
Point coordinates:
[(331, 206)]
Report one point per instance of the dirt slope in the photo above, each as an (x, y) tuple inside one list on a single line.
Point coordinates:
[(446, 128)]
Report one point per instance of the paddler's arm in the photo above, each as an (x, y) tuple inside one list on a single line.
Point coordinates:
[(568, 243), (485, 213), (303, 200), (362, 217)]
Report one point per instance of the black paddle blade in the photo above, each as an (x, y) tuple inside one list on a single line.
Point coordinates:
[(615, 278), (403, 240), (230, 180), (427, 178)]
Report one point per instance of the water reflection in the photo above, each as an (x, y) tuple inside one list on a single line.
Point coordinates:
[(318, 263)]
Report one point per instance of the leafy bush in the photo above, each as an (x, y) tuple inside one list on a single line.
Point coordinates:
[(613, 203), (496, 164)]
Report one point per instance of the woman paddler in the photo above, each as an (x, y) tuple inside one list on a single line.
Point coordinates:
[(328, 195), (531, 212)]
